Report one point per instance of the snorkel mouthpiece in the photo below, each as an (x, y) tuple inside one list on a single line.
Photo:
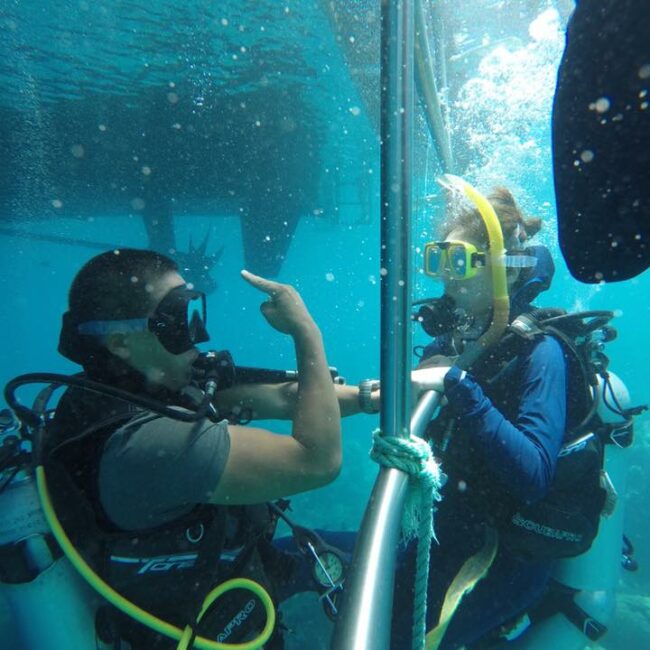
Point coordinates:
[(500, 300)]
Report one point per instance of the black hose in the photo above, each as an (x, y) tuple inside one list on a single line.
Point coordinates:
[(31, 419)]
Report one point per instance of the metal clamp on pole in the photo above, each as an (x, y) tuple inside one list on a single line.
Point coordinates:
[(364, 620)]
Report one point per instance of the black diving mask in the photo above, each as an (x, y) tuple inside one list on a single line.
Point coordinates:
[(179, 322)]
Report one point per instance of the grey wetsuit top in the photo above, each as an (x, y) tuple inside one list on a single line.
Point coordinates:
[(155, 469)]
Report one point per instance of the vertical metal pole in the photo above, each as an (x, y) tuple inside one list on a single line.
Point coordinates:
[(364, 622)]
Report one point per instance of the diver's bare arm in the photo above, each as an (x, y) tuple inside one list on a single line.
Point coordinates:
[(263, 465), (259, 401), (277, 401), (317, 416)]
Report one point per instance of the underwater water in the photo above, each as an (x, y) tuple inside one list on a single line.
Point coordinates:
[(255, 125)]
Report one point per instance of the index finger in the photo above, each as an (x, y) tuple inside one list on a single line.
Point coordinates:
[(268, 286)]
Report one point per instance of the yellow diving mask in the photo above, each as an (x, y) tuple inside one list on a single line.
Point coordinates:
[(456, 260), (459, 260)]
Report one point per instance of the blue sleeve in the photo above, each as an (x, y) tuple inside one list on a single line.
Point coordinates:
[(522, 454)]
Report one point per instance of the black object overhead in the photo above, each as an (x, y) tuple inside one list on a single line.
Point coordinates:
[(601, 141)]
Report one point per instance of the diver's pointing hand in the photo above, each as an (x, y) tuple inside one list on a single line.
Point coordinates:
[(284, 310)]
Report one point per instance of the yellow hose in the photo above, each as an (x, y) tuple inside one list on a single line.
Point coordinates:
[(142, 616), (500, 300)]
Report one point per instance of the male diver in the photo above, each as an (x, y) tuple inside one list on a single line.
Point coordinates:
[(170, 501)]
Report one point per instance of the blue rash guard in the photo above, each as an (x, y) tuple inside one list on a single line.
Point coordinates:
[(503, 449)]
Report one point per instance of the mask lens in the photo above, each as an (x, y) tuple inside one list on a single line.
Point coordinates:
[(179, 320), (197, 320), (433, 259), (458, 260)]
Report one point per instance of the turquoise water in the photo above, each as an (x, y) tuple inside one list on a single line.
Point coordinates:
[(95, 95)]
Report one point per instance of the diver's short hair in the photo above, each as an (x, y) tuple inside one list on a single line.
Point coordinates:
[(116, 285)]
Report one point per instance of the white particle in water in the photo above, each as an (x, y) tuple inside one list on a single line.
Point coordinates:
[(587, 156), (329, 277), (601, 105)]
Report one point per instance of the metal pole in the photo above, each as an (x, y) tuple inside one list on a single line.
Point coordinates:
[(428, 89), (364, 622)]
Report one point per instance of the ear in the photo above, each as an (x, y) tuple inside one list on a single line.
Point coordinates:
[(118, 344)]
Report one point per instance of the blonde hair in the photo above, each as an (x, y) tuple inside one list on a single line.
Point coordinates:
[(513, 223)]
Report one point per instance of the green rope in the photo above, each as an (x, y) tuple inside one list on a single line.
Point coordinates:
[(413, 456)]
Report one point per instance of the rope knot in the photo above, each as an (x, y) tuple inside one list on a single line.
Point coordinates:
[(412, 456)]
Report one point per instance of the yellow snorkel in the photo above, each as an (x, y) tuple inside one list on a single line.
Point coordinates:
[(500, 299)]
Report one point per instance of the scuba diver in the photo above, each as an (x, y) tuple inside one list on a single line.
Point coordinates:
[(152, 476), (515, 409), (145, 478)]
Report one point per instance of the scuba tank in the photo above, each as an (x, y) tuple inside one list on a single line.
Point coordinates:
[(49, 605)]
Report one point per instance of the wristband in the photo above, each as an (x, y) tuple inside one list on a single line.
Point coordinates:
[(366, 388)]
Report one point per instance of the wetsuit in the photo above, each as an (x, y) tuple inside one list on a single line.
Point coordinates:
[(503, 451)]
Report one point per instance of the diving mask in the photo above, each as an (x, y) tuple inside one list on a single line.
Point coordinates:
[(459, 260), (179, 321), (455, 260)]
